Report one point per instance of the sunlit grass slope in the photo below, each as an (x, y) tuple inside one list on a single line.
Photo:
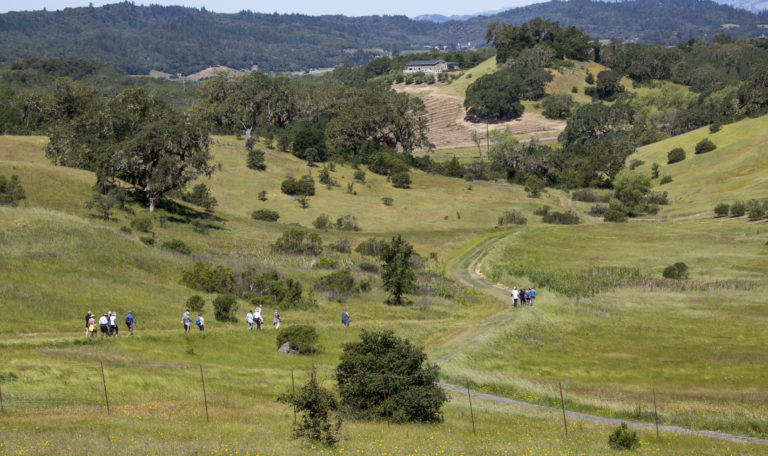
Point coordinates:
[(736, 170)]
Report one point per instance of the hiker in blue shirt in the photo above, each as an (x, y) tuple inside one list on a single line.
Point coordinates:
[(345, 318), (129, 322), (531, 295)]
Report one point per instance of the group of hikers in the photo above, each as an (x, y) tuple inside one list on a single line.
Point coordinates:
[(107, 324), (525, 297)]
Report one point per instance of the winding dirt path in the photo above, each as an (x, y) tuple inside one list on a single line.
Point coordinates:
[(466, 270)]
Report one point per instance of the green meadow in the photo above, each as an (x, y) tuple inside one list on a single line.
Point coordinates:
[(605, 325)]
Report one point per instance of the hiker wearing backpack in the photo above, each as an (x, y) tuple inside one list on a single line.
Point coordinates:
[(531, 295), (257, 318), (104, 325), (249, 320), (276, 319), (130, 322), (91, 327), (200, 322), (186, 320), (88, 317), (113, 330)]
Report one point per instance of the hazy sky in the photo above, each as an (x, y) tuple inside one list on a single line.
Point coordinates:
[(312, 7)]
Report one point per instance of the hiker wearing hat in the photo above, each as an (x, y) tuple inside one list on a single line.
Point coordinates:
[(113, 330), (104, 325), (129, 322), (87, 318)]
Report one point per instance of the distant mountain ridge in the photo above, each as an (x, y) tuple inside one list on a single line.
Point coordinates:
[(136, 39)]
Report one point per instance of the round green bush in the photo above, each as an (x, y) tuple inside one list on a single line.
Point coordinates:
[(676, 271), (721, 210), (143, 224), (195, 303), (302, 338), (704, 146), (266, 215), (675, 155), (177, 246)]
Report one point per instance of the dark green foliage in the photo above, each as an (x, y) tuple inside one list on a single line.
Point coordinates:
[(360, 176), (588, 195), (195, 303), (147, 240), (495, 97), (655, 171), (511, 40), (298, 242), (715, 127), (542, 210), (200, 196), (634, 163), (177, 246), (561, 218), (369, 267), (614, 215), (310, 138), (143, 224), (262, 195), (721, 210), (629, 193), (534, 185), (320, 421), (675, 155), (665, 180), (322, 222), (452, 168), (409, 379), (200, 227), (102, 203), (302, 338), (271, 289), (388, 201), (608, 85), (206, 277), (704, 146), (324, 176), (574, 89), (590, 79), (305, 186), (738, 209), (513, 217), (598, 210), (372, 247), (660, 198), (397, 273), (266, 215), (558, 105), (224, 307), (337, 284), (623, 439), (256, 160), (341, 246), (347, 223), (401, 180), (327, 263), (11, 190), (387, 162), (126, 230), (303, 201), (676, 271), (755, 209)]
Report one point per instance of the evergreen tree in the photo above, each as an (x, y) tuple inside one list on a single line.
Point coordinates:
[(397, 273)]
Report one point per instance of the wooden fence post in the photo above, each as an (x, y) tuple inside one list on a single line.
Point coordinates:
[(655, 413), (2, 407), (205, 396), (104, 382), (562, 403), (293, 387), (471, 413), (386, 405)]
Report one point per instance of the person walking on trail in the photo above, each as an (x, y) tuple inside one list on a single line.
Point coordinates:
[(249, 320), (345, 318), (276, 319), (104, 325), (113, 324), (515, 296), (87, 319), (91, 326), (532, 295), (257, 318), (186, 320), (130, 322), (525, 297), (200, 322)]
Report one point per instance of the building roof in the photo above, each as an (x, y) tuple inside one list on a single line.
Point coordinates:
[(423, 62)]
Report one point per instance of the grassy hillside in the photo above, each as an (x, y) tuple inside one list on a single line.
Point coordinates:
[(736, 170)]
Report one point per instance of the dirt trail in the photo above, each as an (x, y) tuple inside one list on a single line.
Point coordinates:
[(466, 271)]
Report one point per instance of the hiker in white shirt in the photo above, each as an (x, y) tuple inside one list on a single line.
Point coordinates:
[(515, 296)]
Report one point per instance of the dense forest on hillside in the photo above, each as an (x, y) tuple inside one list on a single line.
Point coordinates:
[(137, 39)]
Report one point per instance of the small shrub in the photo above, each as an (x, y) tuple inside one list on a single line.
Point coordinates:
[(322, 222), (347, 223), (302, 338), (266, 215), (590, 79), (148, 240), (677, 271), (320, 420), (200, 196), (372, 247), (11, 191), (657, 198), (614, 215), (298, 242), (143, 224), (401, 180), (337, 284), (704, 146), (303, 201), (262, 195), (665, 180), (675, 155), (533, 186), (561, 218), (255, 160), (738, 209), (209, 278), (634, 163), (623, 439), (177, 246), (195, 303), (224, 307), (513, 217), (721, 210), (325, 177), (341, 246), (541, 210), (360, 176), (327, 263), (365, 266), (655, 171), (715, 127), (755, 209), (388, 201), (305, 186), (598, 210), (126, 230), (587, 195), (574, 89)]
